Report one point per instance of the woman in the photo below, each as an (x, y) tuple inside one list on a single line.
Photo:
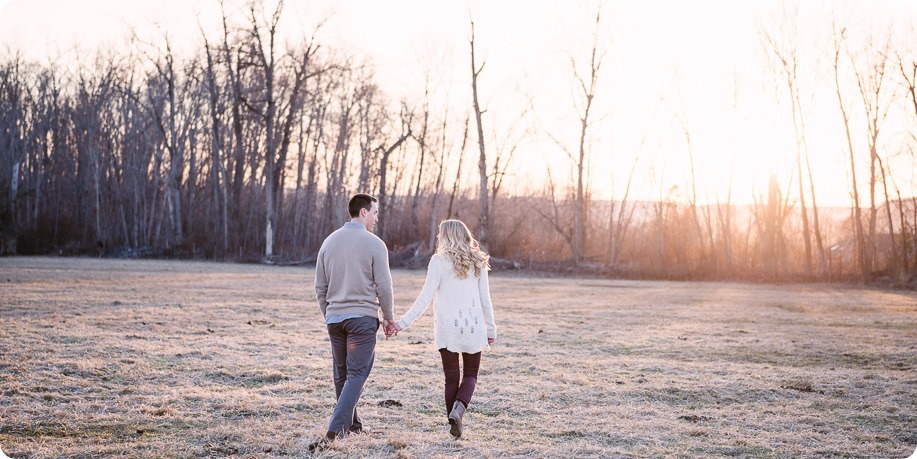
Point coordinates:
[(464, 324)]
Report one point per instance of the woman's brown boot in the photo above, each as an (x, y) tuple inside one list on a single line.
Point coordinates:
[(455, 419)]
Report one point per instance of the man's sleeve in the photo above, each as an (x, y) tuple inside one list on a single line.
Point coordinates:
[(321, 282), (382, 276)]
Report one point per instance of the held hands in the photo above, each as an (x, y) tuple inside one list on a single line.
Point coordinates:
[(391, 328), (491, 340)]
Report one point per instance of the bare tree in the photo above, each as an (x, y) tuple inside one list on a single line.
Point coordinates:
[(840, 37), (264, 52), (219, 177), (724, 213), (555, 216), (232, 59), (618, 224), (586, 89), (14, 97), (483, 198), (504, 152), (422, 144), (440, 160), (338, 161), (876, 98), (94, 93), (458, 171), (373, 120), (771, 216), (407, 118), (165, 106), (781, 46), (281, 106), (303, 68), (909, 80), (695, 220)]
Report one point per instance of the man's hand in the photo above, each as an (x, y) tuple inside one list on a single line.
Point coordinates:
[(491, 340)]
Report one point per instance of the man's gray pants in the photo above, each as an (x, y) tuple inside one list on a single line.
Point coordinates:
[(353, 349)]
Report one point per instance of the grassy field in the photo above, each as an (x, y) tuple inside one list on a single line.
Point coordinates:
[(106, 358)]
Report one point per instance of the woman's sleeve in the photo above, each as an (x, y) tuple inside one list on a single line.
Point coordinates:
[(425, 298), (486, 305)]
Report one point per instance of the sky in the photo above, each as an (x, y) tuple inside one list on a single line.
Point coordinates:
[(669, 65)]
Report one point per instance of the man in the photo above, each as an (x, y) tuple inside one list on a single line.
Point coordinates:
[(352, 281)]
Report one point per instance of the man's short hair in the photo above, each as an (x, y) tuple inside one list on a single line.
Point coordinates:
[(360, 201)]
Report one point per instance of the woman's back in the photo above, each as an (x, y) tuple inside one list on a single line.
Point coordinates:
[(464, 314)]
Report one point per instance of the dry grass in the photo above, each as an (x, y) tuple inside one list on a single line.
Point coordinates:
[(178, 359)]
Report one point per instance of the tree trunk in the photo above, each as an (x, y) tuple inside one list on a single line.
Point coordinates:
[(383, 173), (14, 190), (437, 187), (805, 219), (820, 245), (771, 233), (892, 266), (483, 196), (422, 141), (458, 172), (266, 57), (857, 214), (233, 67), (300, 169), (217, 172)]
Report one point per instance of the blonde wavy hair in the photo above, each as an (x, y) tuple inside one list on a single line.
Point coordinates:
[(456, 242)]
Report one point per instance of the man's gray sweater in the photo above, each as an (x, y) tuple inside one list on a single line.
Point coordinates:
[(352, 274)]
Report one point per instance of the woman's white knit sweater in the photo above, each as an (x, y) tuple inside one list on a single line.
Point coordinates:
[(464, 314)]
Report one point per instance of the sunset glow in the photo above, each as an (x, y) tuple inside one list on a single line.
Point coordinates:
[(668, 64)]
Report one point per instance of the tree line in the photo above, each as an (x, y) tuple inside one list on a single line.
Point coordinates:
[(248, 149)]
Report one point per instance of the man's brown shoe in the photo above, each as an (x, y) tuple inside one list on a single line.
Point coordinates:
[(323, 442)]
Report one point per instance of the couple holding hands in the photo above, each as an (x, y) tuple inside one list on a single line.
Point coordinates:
[(353, 281)]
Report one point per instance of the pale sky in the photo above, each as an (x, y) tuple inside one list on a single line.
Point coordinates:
[(699, 60)]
